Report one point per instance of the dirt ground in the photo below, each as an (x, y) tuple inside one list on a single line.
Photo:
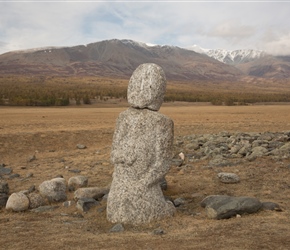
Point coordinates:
[(52, 135)]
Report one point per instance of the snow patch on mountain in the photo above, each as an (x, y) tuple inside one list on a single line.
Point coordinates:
[(233, 57)]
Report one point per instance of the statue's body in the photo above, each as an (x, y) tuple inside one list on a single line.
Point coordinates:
[(141, 152)]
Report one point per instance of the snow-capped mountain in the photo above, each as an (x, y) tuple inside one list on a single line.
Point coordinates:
[(119, 58), (233, 57)]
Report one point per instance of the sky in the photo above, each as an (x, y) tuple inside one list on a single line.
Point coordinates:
[(231, 25)]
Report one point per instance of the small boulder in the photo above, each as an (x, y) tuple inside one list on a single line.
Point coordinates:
[(54, 190), (117, 228), (17, 202), (81, 146), (4, 188), (35, 200), (228, 178), (224, 207), (90, 192), (77, 182), (5, 171), (271, 206), (3, 199), (84, 204)]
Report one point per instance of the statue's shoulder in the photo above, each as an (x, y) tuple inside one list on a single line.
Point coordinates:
[(161, 118)]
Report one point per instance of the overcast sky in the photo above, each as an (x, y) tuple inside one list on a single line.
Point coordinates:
[(262, 25)]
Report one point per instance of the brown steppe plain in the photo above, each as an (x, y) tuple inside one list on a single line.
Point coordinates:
[(52, 135)]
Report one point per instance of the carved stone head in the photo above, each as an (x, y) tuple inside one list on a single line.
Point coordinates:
[(147, 87)]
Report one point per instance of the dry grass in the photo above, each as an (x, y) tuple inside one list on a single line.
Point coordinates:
[(54, 132)]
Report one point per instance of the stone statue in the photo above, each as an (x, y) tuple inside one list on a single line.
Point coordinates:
[(141, 152)]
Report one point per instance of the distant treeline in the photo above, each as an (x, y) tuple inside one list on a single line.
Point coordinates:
[(63, 91), (57, 91)]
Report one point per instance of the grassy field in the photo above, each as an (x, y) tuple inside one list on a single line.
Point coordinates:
[(52, 133)]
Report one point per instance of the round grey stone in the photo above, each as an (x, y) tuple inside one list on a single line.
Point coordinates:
[(147, 87), (17, 202), (53, 190), (228, 177), (76, 182)]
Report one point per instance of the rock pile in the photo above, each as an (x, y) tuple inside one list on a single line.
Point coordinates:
[(219, 148), (51, 191)]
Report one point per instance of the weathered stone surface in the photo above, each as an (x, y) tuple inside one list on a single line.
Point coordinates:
[(147, 87), (4, 188), (68, 203), (178, 202), (44, 209), (224, 207), (117, 228), (141, 152), (163, 184), (90, 192), (271, 206), (76, 182), (84, 204), (5, 171), (17, 202), (35, 200), (54, 190), (81, 146), (228, 177), (3, 199)]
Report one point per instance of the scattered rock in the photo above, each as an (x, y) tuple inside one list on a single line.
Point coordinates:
[(13, 176), (271, 206), (31, 158), (84, 204), (76, 171), (17, 202), (43, 209), (224, 207), (68, 203), (228, 177), (3, 199), (53, 190), (223, 146), (158, 231), (90, 192), (177, 162), (182, 156), (77, 182), (4, 188), (81, 146), (117, 228), (35, 200), (29, 175), (31, 189), (178, 202), (5, 171)]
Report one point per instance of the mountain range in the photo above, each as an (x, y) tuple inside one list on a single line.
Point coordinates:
[(119, 58)]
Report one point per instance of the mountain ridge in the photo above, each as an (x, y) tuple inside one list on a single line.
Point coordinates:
[(119, 58)]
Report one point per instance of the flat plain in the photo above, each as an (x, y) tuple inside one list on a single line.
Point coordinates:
[(51, 134)]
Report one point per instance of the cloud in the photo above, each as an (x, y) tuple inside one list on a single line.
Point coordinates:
[(233, 30), (210, 25), (277, 44)]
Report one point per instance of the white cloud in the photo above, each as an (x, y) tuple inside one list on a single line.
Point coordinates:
[(210, 25), (278, 45)]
